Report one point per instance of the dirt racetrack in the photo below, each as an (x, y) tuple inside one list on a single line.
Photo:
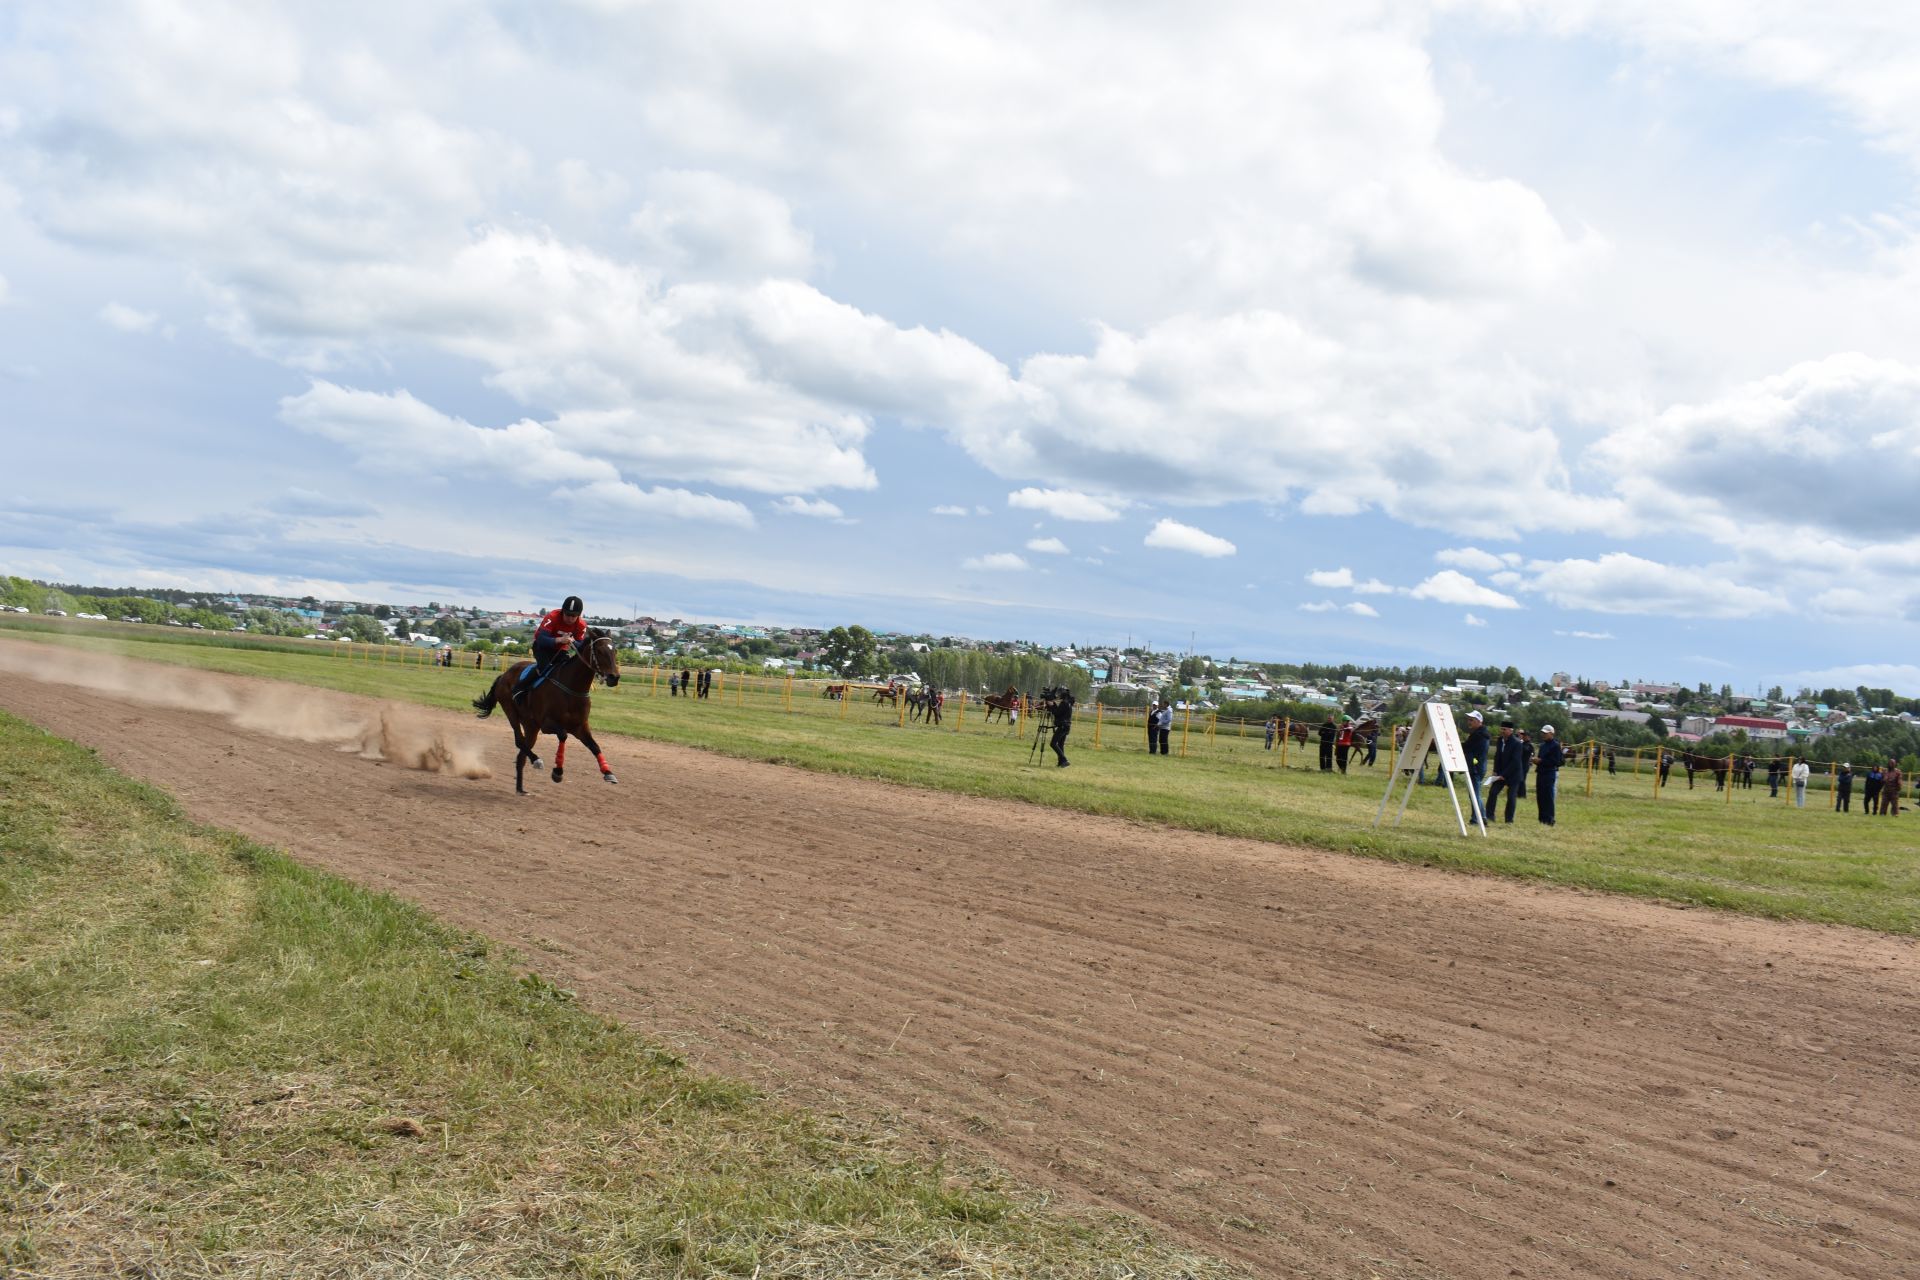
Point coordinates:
[(1318, 1065)]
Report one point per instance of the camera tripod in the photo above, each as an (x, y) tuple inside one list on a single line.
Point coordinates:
[(1043, 725)]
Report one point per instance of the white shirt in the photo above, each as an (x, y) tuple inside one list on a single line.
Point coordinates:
[(1801, 772)]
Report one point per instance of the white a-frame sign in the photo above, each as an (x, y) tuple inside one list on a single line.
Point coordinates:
[(1434, 728)]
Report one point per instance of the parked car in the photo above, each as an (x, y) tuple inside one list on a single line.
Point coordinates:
[(56, 613)]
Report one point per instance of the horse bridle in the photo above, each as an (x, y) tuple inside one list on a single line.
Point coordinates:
[(591, 664)]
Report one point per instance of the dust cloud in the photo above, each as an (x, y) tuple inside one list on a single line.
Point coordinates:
[(398, 735)]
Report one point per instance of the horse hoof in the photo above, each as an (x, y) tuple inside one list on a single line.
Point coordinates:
[(609, 777), (557, 773), (534, 761)]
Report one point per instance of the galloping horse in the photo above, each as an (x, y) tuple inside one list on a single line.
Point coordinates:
[(1005, 703), (558, 705), (889, 694)]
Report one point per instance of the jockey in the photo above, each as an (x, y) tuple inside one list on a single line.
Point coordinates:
[(555, 636)]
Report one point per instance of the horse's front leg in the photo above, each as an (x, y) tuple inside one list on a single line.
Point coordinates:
[(586, 736), (560, 757)]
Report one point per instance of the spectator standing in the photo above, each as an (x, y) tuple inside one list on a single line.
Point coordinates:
[(1774, 767), (1890, 784), (1476, 745), (1273, 730), (1507, 764), (1843, 788), (1343, 743), (1870, 792), (1327, 735), (1547, 783), (1163, 725), (1610, 762), (1666, 765), (1526, 761), (1801, 772), (1373, 743)]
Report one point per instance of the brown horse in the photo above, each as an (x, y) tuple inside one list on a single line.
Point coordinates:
[(889, 694), (1694, 763), (558, 705), (1302, 732), (1005, 703)]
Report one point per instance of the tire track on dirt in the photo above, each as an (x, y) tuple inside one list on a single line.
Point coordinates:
[(1319, 1065)]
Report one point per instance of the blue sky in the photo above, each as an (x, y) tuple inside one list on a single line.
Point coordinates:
[(1578, 336)]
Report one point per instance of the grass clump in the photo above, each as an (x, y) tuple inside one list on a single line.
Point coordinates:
[(215, 1061)]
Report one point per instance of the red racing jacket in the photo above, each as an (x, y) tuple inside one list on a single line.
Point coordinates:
[(553, 625)]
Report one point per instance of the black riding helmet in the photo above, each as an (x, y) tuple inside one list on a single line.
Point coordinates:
[(572, 607)]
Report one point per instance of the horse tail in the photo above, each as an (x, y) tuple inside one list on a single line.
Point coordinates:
[(485, 703)]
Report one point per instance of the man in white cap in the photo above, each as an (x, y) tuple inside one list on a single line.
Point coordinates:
[(1476, 748), (1547, 775)]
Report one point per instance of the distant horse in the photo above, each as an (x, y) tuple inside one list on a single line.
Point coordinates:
[(834, 691), (889, 694), (1694, 763), (1006, 704), (1303, 733), (917, 701), (558, 705)]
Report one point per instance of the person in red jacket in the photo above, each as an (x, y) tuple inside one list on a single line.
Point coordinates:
[(557, 633)]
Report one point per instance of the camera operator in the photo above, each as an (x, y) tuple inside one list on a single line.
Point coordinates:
[(1059, 705)]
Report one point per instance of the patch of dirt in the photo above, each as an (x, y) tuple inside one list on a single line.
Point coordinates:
[(1317, 1065)]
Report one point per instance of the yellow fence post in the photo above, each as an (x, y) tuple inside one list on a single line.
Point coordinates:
[(1286, 736), (1186, 725), (1097, 709), (1592, 750), (963, 712), (846, 696), (900, 711), (1659, 753)]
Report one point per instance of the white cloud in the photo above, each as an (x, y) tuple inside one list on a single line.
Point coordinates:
[(118, 315), (1450, 586), (818, 509), (709, 226), (1342, 577), (1586, 635), (659, 503), (1355, 607), (1171, 535), (400, 432), (1065, 504), (1373, 587), (999, 560), (1048, 546), (949, 511), (1475, 620), (1474, 560), (1622, 583), (1363, 609), (1781, 447)]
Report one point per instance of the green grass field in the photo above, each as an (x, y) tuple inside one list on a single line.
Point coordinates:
[(214, 1061), (1752, 854)]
